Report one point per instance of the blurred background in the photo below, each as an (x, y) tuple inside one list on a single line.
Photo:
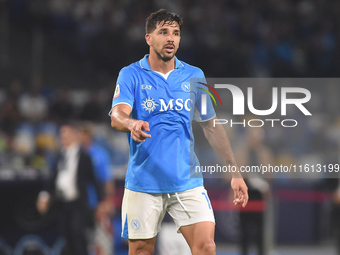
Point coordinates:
[(59, 60)]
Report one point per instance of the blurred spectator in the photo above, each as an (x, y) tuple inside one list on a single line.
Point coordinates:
[(10, 116), (60, 11), (240, 38), (33, 105), (61, 108), (104, 210), (10, 158), (24, 139), (15, 89), (37, 161), (92, 110), (68, 186)]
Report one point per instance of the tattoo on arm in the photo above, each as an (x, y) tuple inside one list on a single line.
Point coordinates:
[(228, 163)]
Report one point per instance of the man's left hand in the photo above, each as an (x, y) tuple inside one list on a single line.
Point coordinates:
[(240, 191)]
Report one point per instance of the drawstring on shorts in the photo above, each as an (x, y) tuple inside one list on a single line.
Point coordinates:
[(179, 200), (181, 203)]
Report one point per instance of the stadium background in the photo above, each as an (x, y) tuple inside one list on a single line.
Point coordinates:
[(66, 54)]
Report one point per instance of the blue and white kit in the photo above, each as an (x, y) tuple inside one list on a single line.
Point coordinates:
[(162, 163)]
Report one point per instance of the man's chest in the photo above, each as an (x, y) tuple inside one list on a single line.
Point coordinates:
[(155, 95)]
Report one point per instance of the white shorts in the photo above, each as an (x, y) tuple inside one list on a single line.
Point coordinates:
[(142, 213)]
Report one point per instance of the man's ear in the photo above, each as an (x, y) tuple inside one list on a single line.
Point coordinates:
[(148, 39)]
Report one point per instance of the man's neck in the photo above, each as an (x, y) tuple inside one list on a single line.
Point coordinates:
[(157, 64)]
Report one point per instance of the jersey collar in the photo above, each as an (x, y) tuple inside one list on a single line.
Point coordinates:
[(144, 64)]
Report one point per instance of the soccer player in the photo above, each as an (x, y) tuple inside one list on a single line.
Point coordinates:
[(152, 103)]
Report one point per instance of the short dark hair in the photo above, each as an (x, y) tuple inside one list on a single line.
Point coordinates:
[(159, 16)]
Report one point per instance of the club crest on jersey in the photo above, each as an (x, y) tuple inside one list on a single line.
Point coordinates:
[(185, 86), (144, 86), (149, 104), (117, 92)]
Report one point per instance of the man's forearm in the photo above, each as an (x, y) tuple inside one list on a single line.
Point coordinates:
[(121, 121), (219, 141)]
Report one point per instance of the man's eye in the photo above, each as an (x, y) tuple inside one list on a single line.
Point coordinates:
[(163, 33)]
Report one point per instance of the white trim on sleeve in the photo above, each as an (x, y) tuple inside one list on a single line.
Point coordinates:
[(118, 104), (206, 119)]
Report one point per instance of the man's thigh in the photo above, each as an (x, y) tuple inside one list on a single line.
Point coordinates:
[(142, 214), (190, 207), (199, 234)]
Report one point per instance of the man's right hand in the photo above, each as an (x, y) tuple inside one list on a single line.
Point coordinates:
[(121, 121), (137, 131)]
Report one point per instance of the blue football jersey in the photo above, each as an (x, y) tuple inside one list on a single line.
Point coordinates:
[(162, 164)]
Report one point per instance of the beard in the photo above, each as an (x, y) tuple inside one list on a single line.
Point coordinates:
[(166, 56)]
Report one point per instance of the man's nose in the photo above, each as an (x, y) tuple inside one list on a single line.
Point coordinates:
[(170, 38)]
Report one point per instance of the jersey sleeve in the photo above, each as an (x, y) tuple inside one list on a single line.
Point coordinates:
[(202, 111), (124, 92)]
